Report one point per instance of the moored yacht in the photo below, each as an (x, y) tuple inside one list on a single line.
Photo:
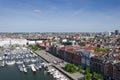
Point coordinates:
[(25, 69), (33, 60), (21, 68), (1, 58), (33, 68), (2, 63), (19, 62), (12, 62)]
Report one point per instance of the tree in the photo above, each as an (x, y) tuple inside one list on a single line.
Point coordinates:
[(97, 76), (70, 68), (101, 50), (94, 75), (79, 68), (95, 37), (87, 71), (34, 47), (88, 76)]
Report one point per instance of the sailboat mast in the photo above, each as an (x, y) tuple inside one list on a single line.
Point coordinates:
[(10, 49)]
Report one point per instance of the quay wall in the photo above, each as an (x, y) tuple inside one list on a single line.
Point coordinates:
[(55, 66)]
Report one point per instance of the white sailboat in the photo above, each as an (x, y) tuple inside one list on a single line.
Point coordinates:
[(21, 68), (10, 62), (19, 62), (2, 63), (25, 69), (1, 58), (33, 68), (33, 60)]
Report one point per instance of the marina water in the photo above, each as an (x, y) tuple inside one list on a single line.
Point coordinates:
[(12, 72)]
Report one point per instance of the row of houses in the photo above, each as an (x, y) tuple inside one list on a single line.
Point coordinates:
[(109, 67), (98, 62), (73, 54)]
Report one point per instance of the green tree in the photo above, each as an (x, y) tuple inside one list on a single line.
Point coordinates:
[(96, 37), (97, 76), (79, 68), (34, 47), (101, 50), (87, 70), (88, 76), (70, 68)]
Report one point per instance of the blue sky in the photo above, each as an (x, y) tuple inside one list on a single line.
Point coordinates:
[(59, 15)]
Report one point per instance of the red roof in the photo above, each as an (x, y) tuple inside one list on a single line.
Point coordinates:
[(88, 48), (98, 53), (62, 48), (70, 49)]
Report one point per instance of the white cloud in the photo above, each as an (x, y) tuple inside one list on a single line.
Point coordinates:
[(37, 11)]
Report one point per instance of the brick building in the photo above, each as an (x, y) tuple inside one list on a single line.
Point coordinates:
[(116, 71), (45, 44), (102, 65)]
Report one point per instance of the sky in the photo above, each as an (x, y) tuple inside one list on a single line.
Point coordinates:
[(59, 15)]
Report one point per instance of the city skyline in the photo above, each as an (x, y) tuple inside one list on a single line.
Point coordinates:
[(59, 15)]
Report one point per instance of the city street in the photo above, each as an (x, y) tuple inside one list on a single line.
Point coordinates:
[(52, 59)]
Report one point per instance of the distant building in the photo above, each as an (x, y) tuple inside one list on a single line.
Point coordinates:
[(68, 53), (70, 43), (64, 40), (31, 42), (6, 41), (73, 43), (116, 32), (44, 44), (107, 33), (85, 57), (55, 48)]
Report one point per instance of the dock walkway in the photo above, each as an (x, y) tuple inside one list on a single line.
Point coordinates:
[(50, 59)]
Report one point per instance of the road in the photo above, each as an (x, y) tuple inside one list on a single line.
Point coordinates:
[(58, 64)]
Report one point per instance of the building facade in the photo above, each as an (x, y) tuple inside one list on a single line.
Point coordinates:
[(116, 71)]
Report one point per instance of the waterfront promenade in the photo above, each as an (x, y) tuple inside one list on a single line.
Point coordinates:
[(52, 59)]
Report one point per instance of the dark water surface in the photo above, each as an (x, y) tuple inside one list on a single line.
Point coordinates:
[(12, 73)]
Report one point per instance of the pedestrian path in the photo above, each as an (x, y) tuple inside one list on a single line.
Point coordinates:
[(59, 64)]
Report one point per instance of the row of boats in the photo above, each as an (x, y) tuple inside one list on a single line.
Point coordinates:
[(56, 74), (23, 68), (18, 56), (25, 59), (12, 62), (33, 67)]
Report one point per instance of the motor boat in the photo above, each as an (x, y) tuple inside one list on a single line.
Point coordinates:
[(12, 62)]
